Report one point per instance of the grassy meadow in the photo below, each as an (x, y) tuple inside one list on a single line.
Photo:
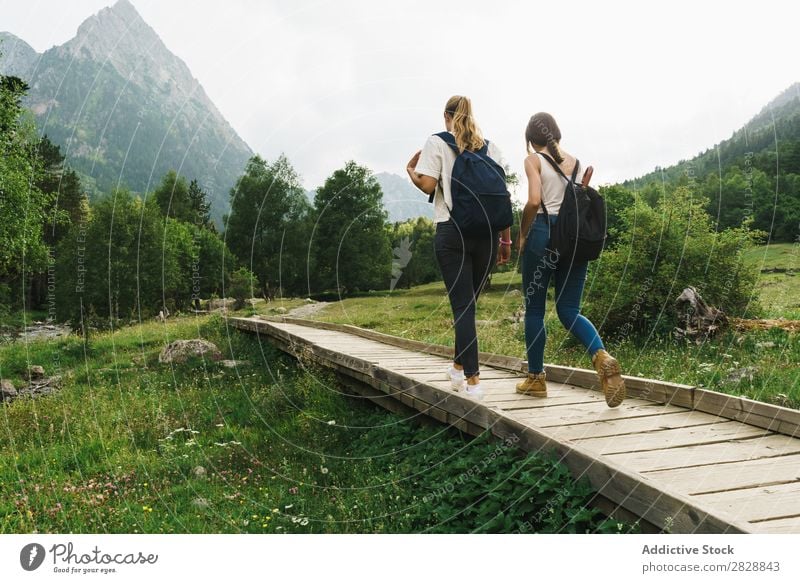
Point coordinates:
[(131, 445)]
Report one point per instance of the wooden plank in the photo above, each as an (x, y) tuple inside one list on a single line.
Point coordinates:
[(765, 415), (730, 476), (635, 425), (537, 403), (590, 413), (780, 526), (672, 438), (620, 485), (707, 455), (751, 504)]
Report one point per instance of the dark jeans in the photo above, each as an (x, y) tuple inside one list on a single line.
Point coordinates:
[(466, 263), (539, 263)]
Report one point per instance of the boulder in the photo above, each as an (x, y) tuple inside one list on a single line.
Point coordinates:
[(7, 390), (218, 303), (36, 372), (180, 351), (233, 363), (201, 504)]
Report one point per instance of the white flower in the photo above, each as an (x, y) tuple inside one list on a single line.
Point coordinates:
[(332, 422), (323, 469)]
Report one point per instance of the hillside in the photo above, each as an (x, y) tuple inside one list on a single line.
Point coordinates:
[(754, 173), (124, 109)]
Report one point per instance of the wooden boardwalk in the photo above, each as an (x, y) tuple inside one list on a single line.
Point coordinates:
[(680, 458)]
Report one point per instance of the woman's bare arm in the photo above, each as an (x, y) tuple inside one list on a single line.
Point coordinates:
[(533, 170)]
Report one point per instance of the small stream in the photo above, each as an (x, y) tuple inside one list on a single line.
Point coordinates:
[(36, 330)]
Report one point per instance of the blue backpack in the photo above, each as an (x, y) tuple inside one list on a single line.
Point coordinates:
[(481, 201)]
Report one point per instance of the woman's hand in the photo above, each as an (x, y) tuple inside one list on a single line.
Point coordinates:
[(503, 254)]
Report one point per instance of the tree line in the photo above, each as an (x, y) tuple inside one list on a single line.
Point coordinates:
[(123, 257)]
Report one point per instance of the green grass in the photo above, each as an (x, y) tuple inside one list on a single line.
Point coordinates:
[(423, 313), (281, 448), (780, 292), (18, 319)]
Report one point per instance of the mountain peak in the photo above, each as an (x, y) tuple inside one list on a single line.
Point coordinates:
[(16, 56), (118, 35), (125, 110)]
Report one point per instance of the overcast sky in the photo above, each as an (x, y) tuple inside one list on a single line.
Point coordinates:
[(632, 84)]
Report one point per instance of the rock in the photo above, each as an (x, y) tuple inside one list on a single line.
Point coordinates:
[(233, 363), (218, 303), (781, 400), (310, 301), (36, 372), (199, 472), (7, 390), (180, 350), (280, 310), (517, 317), (514, 293), (765, 345), (201, 503), (739, 374)]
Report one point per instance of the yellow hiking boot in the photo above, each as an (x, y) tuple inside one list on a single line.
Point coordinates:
[(610, 375), (534, 385)]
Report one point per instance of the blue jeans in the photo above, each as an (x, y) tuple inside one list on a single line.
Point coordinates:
[(539, 263)]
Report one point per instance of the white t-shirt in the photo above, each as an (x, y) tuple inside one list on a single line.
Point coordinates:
[(437, 161)]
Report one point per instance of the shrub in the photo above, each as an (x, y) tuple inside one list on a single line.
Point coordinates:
[(660, 251), (243, 285)]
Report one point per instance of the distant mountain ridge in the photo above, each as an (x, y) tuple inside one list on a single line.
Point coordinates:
[(751, 178), (778, 121), (125, 110)]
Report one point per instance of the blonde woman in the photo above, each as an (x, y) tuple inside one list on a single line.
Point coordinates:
[(465, 259), (539, 263)]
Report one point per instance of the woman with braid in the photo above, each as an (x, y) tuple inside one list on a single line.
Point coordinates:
[(539, 263), (465, 261)]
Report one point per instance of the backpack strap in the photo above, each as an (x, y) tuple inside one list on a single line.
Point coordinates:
[(450, 140), (564, 176), (558, 168)]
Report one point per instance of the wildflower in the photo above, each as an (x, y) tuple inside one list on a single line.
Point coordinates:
[(332, 422), (275, 510), (323, 469)]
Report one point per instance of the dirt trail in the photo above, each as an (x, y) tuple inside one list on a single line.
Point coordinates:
[(308, 310)]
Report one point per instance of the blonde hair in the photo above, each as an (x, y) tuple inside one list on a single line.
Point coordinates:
[(466, 131)]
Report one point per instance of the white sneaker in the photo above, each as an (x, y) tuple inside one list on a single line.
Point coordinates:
[(474, 391), (456, 378)]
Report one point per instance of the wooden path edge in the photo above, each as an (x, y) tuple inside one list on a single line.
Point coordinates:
[(764, 415), (632, 492)]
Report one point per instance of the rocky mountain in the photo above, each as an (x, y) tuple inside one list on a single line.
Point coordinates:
[(402, 199), (125, 110)]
